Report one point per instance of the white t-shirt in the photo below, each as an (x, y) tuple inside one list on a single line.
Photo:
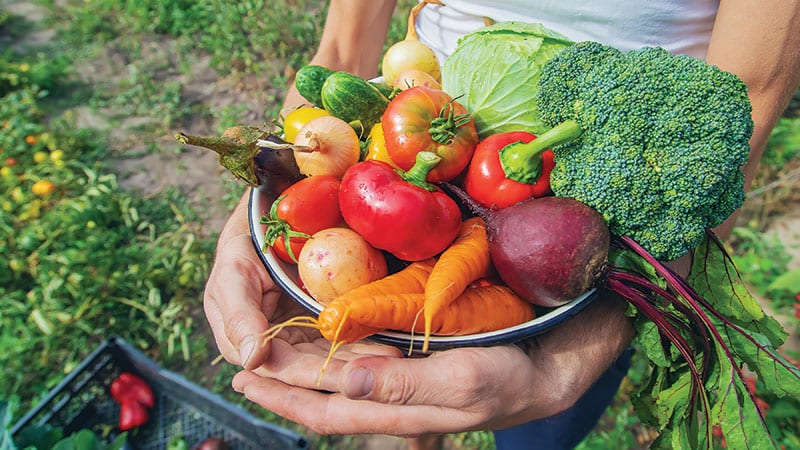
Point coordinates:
[(680, 26)]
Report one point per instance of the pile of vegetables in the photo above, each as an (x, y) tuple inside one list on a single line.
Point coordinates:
[(518, 186)]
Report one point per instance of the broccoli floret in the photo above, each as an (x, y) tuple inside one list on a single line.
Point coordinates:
[(651, 140)]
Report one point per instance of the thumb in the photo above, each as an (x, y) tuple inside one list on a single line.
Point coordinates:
[(235, 296)]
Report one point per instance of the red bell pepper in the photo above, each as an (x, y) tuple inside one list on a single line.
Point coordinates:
[(134, 396), (132, 414), (486, 181), (398, 211), (129, 386)]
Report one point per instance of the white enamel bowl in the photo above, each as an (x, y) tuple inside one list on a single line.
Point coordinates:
[(285, 276)]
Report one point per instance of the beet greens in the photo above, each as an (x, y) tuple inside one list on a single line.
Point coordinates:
[(700, 334)]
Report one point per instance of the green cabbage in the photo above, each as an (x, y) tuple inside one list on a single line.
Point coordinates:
[(495, 70)]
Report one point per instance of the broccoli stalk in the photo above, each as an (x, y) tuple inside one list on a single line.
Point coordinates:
[(522, 161)]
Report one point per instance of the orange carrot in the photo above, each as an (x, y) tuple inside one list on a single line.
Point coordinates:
[(333, 321), (476, 310), (466, 260), (411, 278)]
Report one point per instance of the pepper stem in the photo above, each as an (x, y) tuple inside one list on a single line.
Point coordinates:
[(423, 164), (523, 163)]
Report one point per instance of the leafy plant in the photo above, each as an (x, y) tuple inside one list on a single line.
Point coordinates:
[(81, 259)]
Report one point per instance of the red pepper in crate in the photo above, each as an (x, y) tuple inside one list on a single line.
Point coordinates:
[(129, 386), (486, 182), (399, 211), (135, 397), (132, 414)]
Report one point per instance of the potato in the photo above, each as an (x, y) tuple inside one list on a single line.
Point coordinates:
[(336, 260)]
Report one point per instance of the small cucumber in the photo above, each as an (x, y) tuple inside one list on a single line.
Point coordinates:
[(353, 99), (309, 80)]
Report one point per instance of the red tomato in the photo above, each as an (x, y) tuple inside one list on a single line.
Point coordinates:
[(424, 119), (307, 206)]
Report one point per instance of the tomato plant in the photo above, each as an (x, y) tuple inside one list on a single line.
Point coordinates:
[(424, 119), (308, 206)]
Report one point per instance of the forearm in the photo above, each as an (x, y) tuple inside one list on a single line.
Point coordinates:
[(759, 42), (352, 40)]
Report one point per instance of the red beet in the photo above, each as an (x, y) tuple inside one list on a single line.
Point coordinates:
[(549, 250)]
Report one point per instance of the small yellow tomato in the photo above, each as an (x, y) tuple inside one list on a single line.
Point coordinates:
[(376, 148), (57, 155), (298, 118), (39, 157), (5, 171), (43, 187)]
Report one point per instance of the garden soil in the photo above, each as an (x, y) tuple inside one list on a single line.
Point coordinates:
[(149, 163)]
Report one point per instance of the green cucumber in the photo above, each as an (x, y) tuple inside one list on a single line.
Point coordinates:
[(309, 80), (353, 99)]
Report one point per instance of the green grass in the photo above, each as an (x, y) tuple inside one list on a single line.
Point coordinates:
[(91, 260)]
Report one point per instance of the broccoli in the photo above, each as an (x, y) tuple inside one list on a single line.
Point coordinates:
[(653, 141)]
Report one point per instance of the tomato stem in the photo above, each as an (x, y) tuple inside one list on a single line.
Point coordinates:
[(444, 128)]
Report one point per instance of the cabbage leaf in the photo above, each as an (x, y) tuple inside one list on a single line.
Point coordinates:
[(494, 72)]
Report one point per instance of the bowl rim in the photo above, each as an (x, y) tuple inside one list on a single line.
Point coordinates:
[(282, 276)]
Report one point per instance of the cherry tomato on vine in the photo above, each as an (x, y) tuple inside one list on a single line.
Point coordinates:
[(424, 119), (298, 118), (307, 206)]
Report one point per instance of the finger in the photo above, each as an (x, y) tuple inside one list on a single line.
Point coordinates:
[(302, 365), (459, 378), (311, 364), (327, 413), (237, 290)]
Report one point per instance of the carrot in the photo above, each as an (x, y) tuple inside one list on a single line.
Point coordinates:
[(333, 323), (475, 310), (411, 278), (466, 260)]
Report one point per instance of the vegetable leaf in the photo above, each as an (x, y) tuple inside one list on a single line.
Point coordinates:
[(495, 72)]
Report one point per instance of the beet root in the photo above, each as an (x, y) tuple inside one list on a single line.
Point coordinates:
[(549, 250)]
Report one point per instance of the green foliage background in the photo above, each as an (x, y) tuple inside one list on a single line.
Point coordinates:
[(92, 260)]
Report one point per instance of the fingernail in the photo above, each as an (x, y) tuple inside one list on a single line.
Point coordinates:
[(246, 349), (359, 383)]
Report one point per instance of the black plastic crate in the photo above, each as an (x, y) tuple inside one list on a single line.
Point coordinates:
[(182, 409)]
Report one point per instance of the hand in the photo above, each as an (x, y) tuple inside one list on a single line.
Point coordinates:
[(241, 300), (449, 391)]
